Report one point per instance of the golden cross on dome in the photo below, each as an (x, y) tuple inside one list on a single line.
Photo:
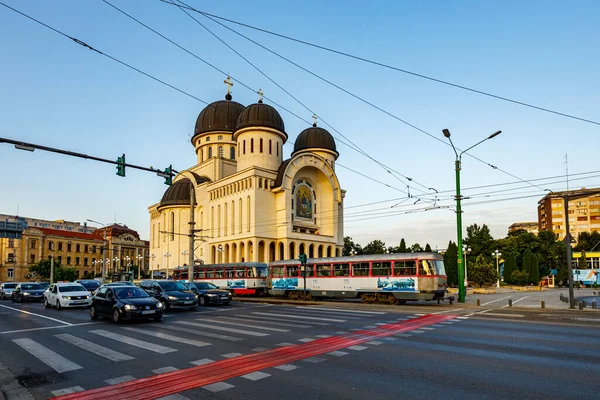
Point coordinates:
[(315, 118), (229, 84), (260, 94)]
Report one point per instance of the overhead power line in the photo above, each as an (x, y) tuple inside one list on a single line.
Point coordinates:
[(391, 67)]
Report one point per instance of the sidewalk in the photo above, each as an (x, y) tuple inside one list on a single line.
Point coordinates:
[(10, 387)]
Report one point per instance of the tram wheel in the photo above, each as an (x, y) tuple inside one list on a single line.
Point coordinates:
[(366, 298), (293, 295), (392, 300), (309, 296), (402, 302)]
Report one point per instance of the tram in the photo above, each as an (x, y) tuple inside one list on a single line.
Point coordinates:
[(391, 278), (239, 278)]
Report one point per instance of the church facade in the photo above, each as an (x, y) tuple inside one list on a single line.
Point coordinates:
[(252, 205)]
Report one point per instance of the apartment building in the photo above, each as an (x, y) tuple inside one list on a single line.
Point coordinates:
[(584, 212)]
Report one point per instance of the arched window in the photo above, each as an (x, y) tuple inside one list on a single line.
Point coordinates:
[(232, 153), (244, 147), (233, 217), (261, 145), (220, 151), (210, 152), (252, 145), (248, 216), (277, 149), (172, 226), (270, 149)]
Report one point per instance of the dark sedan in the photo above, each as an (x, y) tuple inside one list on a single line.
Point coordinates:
[(208, 293), (125, 303), (171, 294), (28, 292), (91, 285)]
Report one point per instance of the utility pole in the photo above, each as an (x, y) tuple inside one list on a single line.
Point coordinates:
[(569, 257), (192, 234), (52, 263)]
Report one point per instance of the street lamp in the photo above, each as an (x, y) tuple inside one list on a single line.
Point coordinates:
[(497, 254), (140, 260), (353, 252), (461, 283), (220, 250), (466, 251), (167, 255), (103, 249)]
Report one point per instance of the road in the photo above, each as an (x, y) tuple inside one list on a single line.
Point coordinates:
[(332, 351)]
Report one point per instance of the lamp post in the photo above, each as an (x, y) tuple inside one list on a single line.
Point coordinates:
[(184, 254), (353, 252), (466, 251), (152, 263), (103, 249), (497, 254), (220, 250), (461, 283), (168, 255), (140, 260)]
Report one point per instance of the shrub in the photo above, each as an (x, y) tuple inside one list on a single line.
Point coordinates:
[(519, 278)]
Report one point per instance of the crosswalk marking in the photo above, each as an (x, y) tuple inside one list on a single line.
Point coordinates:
[(370, 326), (278, 319), (323, 336), (94, 348), (219, 321), (166, 336), (259, 349), (341, 310), (47, 356), (306, 340), (134, 342), (217, 387), (175, 396), (231, 355), (268, 322), (314, 360), (164, 370), (69, 390), (286, 367), (223, 328), (119, 379), (255, 376), (201, 333), (417, 331), (284, 344), (427, 328), (299, 316), (202, 362), (358, 348), (338, 353), (374, 342)]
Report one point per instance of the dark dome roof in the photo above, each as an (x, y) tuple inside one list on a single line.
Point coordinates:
[(315, 137), (221, 115), (260, 114), (178, 194)]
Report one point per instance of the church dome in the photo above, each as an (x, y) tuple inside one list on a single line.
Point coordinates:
[(221, 115), (260, 115), (315, 138), (178, 194)]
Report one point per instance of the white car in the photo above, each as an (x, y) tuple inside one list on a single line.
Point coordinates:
[(67, 295)]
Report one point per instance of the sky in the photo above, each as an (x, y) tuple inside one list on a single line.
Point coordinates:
[(59, 94)]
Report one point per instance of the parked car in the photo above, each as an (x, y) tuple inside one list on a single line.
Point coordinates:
[(26, 291), (120, 283), (44, 285), (90, 284), (67, 295), (171, 293), (208, 293), (125, 302), (6, 290)]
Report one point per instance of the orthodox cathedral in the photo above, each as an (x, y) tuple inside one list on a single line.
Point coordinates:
[(251, 205)]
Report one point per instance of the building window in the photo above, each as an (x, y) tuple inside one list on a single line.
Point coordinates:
[(85, 262), (252, 145), (32, 259), (261, 145), (68, 260), (68, 246), (86, 248), (59, 258), (220, 151), (10, 273), (210, 152), (220, 137), (208, 138), (32, 243), (60, 246), (50, 245), (232, 153), (78, 248), (270, 143), (244, 147), (11, 258), (76, 260), (172, 226), (11, 243)]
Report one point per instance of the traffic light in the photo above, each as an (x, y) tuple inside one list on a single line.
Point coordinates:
[(302, 258), (169, 175), (121, 166)]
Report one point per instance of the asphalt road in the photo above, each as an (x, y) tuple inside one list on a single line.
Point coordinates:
[(333, 351)]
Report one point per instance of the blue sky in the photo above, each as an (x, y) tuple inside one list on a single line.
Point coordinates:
[(59, 94)]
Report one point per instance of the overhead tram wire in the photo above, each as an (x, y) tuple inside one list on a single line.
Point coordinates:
[(355, 147), (349, 93), (391, 67)]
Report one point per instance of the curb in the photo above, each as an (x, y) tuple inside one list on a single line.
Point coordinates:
[(10, 387)]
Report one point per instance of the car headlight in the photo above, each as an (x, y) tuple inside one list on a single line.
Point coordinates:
[(68, 297), (172, 298), (211, 294), (129, 307), (26, 294), (159, 305)]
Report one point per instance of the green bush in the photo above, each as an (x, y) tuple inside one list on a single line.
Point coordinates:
[(519, 278)]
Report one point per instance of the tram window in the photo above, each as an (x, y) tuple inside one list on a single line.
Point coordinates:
[(291, 271), (324, 270), (439, 266), (199, 274), (219, 273), (250, 272), (229, 273), (240, 272), (277, 272), (360, 269), (261, 272), (210, 273), (341, 269), (426, 267), (382, 269), (309, 270), (405, 268)]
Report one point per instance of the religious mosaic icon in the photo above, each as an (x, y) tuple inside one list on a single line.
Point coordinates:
[(304, 202)]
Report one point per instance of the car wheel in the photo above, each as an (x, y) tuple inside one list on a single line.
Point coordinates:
[(12, 298), (46, 304), (166, 303), (202, 301), (58, 306), (116, 317), (93, 313)]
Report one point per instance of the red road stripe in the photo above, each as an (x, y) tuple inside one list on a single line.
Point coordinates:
[(153, 387)]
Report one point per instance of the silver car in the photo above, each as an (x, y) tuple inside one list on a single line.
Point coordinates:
[(6, 290)]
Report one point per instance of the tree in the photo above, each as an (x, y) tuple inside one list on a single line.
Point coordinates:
[(518, 242), (349, 245), (416, 248), (479, 240), (482, 271), (519, 277), (586, 241), (450, 262), (42, 269), (374, 247), (534, 275), (510, 265), (427, 248), (402, 248), (66, 274), (527, 263)]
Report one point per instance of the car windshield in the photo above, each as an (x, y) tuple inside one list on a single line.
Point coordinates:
[(205, 285), (44, 284), (71, 288), (90, 284), (31, 286), (129, 292), (170, 286), (10, 285)]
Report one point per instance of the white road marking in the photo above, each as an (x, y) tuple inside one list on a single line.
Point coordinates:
[(49, 327), (120, 379), (516, 301), (37, 315), (341, 332), (166, 336), (402, 335), (478, 312), (337, 353), (420, 315), (257, 321), (445, 311), (314, 360), (255, 376), (286, 367), (223, 328), (283, 344), (94, 348), (259, 349), (412, 316), (462, 318), (202, 362), (200, 333), (493, 301), (175, 396), (217, 387), (47, 356), (507, 315), (369, 327), (299, 317), (218, 321), (579, 319), (381, 323), (341, 310), (164, 370), (357, 348), (231, 355), (417, 331), (134, 342), (427, 328), (323, 336), (278, 319), (391, 339), (69, 390), (306, 340), (374, 343)]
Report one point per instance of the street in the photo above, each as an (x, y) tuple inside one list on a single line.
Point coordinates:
[(334, 351)]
